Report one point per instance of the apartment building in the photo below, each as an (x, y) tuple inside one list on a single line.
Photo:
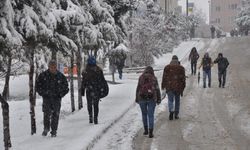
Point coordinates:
[(169, 5), (223, 13)]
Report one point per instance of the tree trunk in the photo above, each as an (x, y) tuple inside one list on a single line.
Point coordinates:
[(79, 79), (31, 94), (72, 82), (54, 55), (6, 123), (7, 80), (5, 108)]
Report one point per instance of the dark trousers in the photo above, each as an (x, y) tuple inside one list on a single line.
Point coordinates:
[(51, 112), (92, 103), (193, 67), (222, 77), (120, 73)]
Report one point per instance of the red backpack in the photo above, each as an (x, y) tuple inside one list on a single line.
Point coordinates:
[(147, 87)]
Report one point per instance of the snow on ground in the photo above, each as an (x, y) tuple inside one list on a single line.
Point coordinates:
[(117, 111)]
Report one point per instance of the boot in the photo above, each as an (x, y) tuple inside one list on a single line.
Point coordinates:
[(45, 132), (151, 135), (145, 130), (176, 115), (171, 115), (95, 120), (90, 119)]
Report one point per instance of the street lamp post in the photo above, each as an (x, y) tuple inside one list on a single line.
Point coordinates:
[(187, 7)]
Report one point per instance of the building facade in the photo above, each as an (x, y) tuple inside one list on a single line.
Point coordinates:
[(169, 5), (223, 13)]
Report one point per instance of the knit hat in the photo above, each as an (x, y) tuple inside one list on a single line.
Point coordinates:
[(174, 57), (91, 60)]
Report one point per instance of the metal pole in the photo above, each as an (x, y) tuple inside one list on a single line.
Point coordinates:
[(187, 7)]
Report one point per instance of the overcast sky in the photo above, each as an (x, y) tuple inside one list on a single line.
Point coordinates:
[(200, 4)]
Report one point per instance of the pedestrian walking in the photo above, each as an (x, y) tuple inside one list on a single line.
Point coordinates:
[(52, 85), (222, 69), (147, 96), (173, 84), (96, 87), (206, 64), (193, 58), (212, 29)]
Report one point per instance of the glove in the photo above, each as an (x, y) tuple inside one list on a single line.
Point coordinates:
[(163, 93), (181, 94)]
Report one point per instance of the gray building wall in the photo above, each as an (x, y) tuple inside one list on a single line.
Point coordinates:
[(223, 13)]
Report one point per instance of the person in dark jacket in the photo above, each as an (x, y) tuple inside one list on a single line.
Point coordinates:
[(193, 57), (52, 85), (222, 69), (212, 29), (206, 64), (173, 84), (147, 96), (91, 77)]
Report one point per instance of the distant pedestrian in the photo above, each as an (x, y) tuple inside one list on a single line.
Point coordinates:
[(52, 85), (212, 29), (147, 96), (206, 64), (96, 87), (173, 84), (193, 58), (222, 69)]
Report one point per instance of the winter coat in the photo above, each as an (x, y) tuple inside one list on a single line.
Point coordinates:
[(174, 78), (50, 85), (222, 63), (206, 63), (156, 92), (193, 56), (91, 77)]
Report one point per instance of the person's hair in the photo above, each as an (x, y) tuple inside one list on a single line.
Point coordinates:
[(174, 57), (150, 70), (220, 55), (52, 63), (194, 49)]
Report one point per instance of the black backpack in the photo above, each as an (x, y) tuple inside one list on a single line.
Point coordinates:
[(103, 88)]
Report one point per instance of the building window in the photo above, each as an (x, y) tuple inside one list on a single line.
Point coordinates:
[(217, 8), (217, 20), (233, 6)]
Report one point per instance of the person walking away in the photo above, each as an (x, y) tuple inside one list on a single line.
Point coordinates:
[(222, 69), (173, 84), (212, 29), (206, 64), (193, 58), (92, 79), (147, 96), (52, 85)]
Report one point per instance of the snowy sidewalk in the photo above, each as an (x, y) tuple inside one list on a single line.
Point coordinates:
[(74, 132)]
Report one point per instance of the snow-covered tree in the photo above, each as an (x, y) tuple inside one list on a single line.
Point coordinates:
[(243, 17)]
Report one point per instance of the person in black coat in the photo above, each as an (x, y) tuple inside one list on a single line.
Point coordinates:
[(193, 58), (92, 77), (52, 85), (222, 69)]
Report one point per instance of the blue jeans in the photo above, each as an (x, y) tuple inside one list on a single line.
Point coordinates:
[(173, 97), (148, 109), (206, 73)]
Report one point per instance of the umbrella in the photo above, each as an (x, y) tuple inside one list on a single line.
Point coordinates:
[(199, 76)]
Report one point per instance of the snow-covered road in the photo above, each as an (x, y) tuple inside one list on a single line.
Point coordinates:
[(211, 118)]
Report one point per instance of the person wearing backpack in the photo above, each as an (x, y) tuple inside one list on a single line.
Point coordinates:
[(193, 57), (173, 84), (222, 69), (206, 64), (92, 79), (52, 85), (147, 96)]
